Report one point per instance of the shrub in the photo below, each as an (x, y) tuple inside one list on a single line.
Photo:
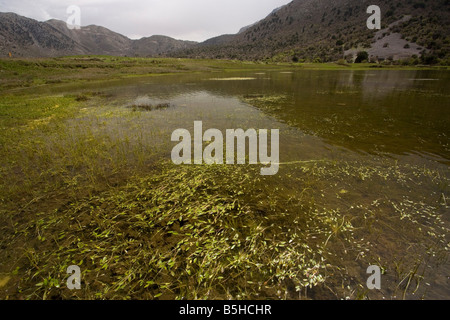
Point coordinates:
[(429, 59), (362, 56), (342, 62)]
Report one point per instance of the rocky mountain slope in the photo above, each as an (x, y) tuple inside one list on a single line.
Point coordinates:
[(323, 30), (158, 45), (94, 39), (303, 30), (24, 37)]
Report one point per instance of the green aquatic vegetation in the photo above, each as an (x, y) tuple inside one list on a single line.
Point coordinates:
[(163, 232), (185, 232), (270, 103), (150, 107), (85, 181), (198, 232)]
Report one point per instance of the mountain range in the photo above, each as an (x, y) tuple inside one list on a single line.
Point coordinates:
[(25, 37), (303, 30), (324, 30)]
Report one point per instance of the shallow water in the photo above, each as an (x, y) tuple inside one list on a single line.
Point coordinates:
[(378, 140), (377, 112), (393, 114)]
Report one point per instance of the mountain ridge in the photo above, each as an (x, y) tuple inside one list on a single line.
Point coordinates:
[(323, 31), (25, 37), (303, 30)]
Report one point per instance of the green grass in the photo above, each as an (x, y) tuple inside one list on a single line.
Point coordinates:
[(17, 111), (20, 73)]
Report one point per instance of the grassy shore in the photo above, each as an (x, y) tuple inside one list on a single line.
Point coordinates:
[(18, 73)]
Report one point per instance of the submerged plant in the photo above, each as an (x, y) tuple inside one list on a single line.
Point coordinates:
[(150, 107)]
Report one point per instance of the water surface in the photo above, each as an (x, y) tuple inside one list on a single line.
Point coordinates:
[(371, 147)]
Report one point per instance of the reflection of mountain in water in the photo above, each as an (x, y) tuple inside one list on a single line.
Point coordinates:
[(376, 84), (394, 112)]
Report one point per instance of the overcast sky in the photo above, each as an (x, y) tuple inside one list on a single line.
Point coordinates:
[(195, 20)]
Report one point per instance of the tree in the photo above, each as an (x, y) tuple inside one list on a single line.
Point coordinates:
[(362, 56)]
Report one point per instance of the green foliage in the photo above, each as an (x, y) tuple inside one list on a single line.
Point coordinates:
[(342, 62), (429, 59), (362, 56)]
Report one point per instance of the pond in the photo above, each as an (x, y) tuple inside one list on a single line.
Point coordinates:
[(363, 179)]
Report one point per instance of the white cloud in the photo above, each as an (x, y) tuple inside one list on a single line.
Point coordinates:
[(182, 19)]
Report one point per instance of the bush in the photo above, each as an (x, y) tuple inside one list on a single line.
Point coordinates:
[(362, 56), (420, 5), (429, 59), (342, 62)]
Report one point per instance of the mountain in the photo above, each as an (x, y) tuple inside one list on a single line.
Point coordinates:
[(242, 30), (94, 39), (158, 45), (25, 37), (303, 30), (323, 30)]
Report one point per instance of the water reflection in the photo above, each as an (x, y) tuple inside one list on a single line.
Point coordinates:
[(377, 112)]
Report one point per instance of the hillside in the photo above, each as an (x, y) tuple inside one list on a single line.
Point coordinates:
[(25, 37), (322, 30), (95, 39), (158, 45), (414, 31)]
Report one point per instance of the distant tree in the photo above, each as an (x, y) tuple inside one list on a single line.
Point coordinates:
[(362, 56), (429, 59)]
